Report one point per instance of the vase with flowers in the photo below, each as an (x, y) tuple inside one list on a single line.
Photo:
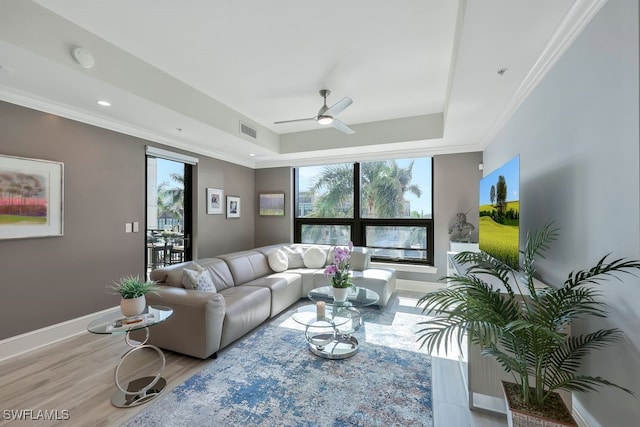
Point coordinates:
[(338, 272)]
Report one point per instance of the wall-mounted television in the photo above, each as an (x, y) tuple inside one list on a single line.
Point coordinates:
[(499, 224)]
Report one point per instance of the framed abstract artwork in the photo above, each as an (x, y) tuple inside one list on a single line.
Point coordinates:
[(271, 204), (233, 207), (31, 198), (214, 201)]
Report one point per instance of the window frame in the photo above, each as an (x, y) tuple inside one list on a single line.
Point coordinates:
[(358, 225)]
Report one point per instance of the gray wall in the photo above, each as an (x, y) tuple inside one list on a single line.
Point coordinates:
[(50, 280), (456, 180), (274, 229), (217, 234), (578, 139)]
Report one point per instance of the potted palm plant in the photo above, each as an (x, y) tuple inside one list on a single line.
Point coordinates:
[(526, 329), (132, 289)]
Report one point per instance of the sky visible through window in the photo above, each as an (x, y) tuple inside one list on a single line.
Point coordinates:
[(421, 176), (166, 168)]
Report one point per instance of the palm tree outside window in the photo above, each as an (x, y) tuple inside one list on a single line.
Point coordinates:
[(385, 205)]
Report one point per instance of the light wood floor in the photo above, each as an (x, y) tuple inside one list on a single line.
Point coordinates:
[(77, 376)]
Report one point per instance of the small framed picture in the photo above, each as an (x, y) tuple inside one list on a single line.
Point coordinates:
[(214, 201), (31, 198), (271, 204), (233, 207)]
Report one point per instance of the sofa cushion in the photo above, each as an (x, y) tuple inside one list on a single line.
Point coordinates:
[(246, 266), (174, 277), (285, 289), (197, 278), (360, 258), (278, 260), (219, 272), (315, 257), (246, 308), (295, 257)]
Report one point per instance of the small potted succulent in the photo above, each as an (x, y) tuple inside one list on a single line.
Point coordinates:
[(132, 289)]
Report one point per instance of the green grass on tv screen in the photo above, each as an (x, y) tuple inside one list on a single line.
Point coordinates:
[(501, 241)]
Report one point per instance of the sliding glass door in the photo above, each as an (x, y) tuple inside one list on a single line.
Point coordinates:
[(168, 226)]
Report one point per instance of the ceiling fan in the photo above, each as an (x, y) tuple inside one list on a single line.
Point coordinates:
[(326, 115)]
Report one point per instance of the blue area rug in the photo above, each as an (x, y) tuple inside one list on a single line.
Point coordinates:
[(270, 378)]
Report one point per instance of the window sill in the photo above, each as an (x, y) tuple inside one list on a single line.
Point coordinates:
[(412, 268)]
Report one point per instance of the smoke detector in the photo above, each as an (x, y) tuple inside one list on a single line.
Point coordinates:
[(83, 57)]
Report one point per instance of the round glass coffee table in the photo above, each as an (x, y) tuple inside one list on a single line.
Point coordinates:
[(332, 336), (144, 389)]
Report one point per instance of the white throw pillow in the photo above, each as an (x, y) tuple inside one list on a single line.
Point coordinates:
[(295, 257), (315, 257), (197, 278), (278, 260)]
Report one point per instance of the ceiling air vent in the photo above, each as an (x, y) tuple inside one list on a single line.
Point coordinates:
[(248, 130)]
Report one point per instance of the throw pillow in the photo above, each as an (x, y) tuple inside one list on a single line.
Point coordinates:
[(315, 257), (197, 278), (278, 260), (295, 257)]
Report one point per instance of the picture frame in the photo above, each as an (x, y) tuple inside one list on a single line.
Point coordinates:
[(233, 207), (36, 206), (271, 204), (214, 201)]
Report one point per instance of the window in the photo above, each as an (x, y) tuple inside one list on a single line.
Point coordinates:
[(384, 205), (325, 191)]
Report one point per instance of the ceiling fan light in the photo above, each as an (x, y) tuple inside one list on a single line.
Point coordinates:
[(325, 120)]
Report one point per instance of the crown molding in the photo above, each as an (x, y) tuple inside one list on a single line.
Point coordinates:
[(579, 15), (45, 105)]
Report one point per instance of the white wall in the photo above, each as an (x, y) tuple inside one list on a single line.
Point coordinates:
[(578, 139)]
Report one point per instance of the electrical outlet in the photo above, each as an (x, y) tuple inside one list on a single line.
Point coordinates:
[(127, 227), (136, 227)]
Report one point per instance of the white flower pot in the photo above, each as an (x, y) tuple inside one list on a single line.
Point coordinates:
[(133, 306), (340, 294)]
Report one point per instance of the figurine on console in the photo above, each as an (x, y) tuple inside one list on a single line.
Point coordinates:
[(461, 230)]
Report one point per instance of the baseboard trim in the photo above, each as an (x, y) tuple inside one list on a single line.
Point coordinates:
[(20, 344), (580, 414)]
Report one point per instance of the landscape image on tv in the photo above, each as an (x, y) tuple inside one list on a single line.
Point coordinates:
[(499, 224)]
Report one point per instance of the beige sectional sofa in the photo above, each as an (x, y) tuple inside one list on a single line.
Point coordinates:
[(247, 292)]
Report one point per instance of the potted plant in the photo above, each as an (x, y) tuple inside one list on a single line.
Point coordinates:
[(526, 330), (132, 289), (338, 272)]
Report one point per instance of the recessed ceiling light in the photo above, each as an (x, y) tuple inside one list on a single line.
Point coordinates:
[(104, 103), (252, 155)]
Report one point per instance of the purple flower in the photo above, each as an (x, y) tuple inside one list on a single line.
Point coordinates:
[(331, 270)]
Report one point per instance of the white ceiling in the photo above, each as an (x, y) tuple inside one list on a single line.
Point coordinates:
[(185, 73)]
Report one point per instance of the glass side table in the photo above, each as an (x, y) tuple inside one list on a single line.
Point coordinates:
[(345, 318), (357, 297), (144, 389), (330, 336)]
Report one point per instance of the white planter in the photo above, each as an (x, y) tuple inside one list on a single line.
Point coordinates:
[(340, 294), (133, 306)]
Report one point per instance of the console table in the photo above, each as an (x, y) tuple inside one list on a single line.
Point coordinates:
[(144, 389)]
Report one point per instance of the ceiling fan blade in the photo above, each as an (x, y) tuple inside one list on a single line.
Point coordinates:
[(342, 127), (338, 107), (295, 120)]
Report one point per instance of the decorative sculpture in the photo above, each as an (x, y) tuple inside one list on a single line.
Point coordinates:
[(461, 230)]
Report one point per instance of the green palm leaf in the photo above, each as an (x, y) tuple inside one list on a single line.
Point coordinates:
[(526, 333)]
